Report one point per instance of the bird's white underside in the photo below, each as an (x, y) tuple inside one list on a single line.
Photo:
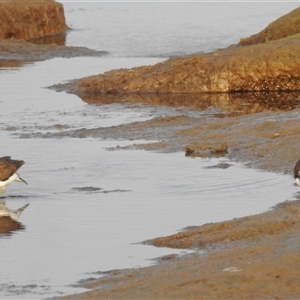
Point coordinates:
[(3, 184)]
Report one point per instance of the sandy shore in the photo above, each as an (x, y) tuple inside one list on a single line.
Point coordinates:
[(247, 258), (254, 257)]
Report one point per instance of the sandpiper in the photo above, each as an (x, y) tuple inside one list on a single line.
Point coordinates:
[(13, 214), (8, 169), (297, 172)]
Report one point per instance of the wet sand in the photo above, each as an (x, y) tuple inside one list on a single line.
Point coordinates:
[(15, 53), (253, 257), (260, 135), (247, 258)]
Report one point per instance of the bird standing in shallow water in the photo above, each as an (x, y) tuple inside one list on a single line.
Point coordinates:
[(8, 172), (297, 172)]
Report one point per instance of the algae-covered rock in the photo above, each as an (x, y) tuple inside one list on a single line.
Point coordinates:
[(272, 66), (269, 66), (27, 19)]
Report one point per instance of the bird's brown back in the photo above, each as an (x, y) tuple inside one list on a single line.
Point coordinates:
[(297, 169), (8, 167)]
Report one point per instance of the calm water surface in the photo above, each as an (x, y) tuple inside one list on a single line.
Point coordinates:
[(89, 206)]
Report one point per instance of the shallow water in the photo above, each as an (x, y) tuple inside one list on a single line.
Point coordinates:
[(163, 29), (90, 206)]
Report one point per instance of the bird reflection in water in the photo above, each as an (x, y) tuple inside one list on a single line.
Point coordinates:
[(8, 219)]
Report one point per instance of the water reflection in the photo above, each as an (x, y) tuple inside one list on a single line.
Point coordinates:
[(5, 64), (8, 226), (58, 39), (92, 189), (233, 104), (13, 214), (8, 219)]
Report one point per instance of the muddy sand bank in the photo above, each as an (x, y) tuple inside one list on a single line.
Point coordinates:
[(260, 134)]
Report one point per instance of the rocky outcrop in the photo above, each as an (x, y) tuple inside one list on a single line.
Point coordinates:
[(269, 66), (31, 19), (273, 66)]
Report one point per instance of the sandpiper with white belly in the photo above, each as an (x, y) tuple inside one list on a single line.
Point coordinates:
[(8, 172), (297, 172)]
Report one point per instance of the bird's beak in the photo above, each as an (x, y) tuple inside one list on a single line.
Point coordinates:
[(22, 180)]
